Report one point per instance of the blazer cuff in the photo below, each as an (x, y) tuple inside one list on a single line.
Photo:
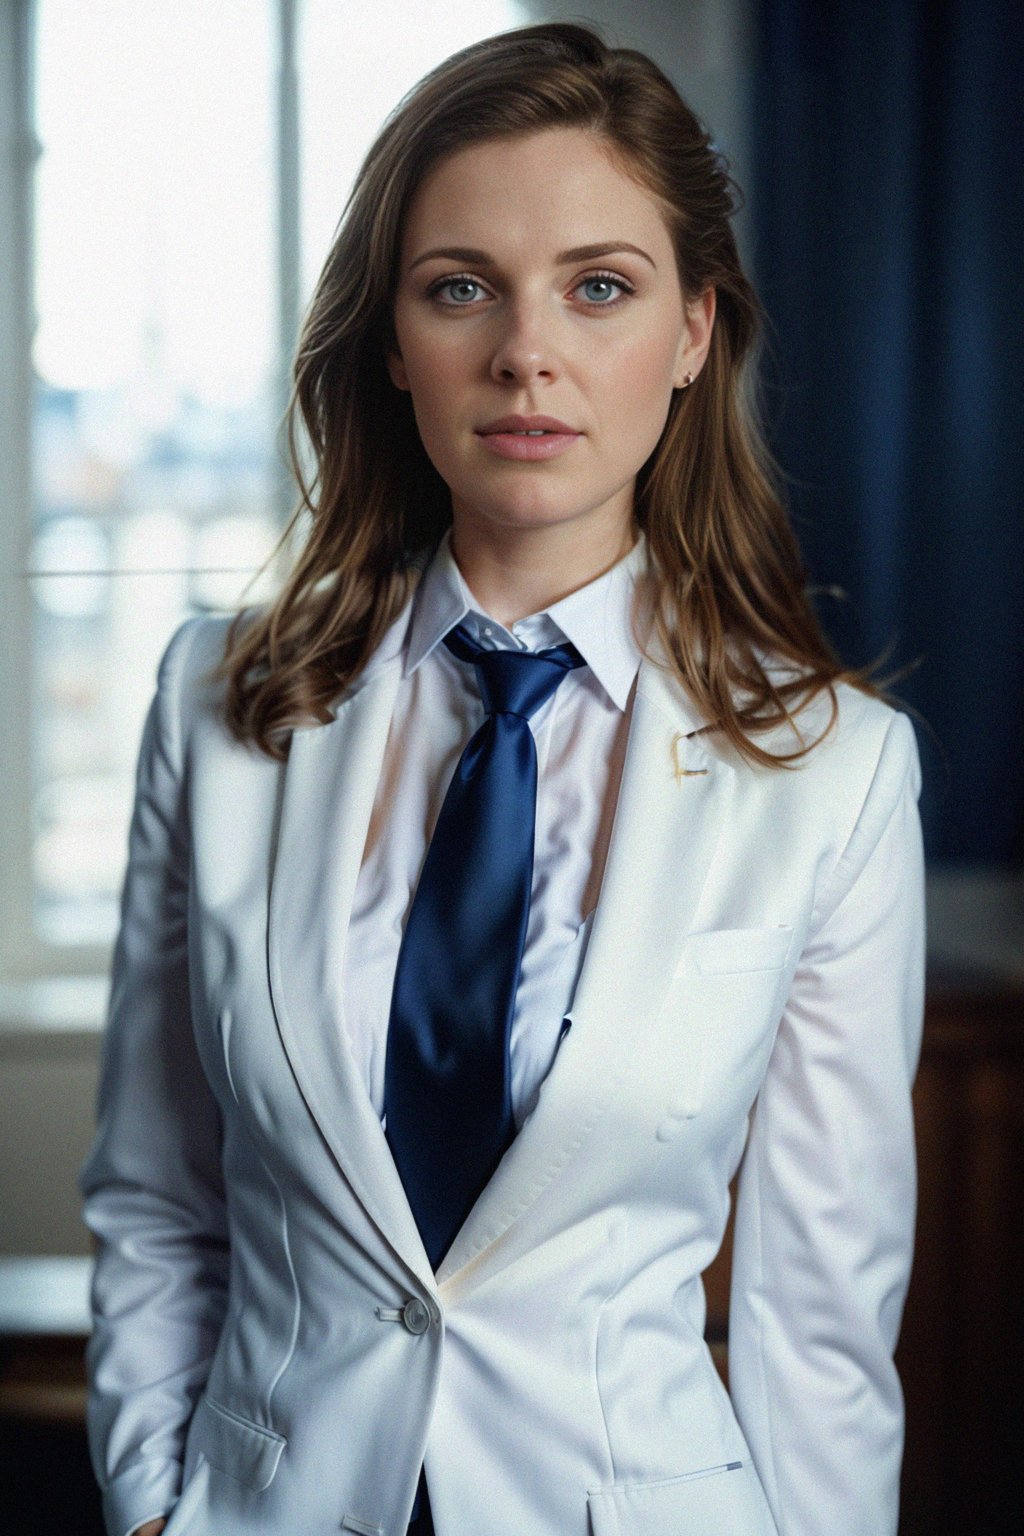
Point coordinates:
[(147, 1490)]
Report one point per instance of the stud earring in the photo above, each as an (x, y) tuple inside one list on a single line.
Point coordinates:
[(687, 380)]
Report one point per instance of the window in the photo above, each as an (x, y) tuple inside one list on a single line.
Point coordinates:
[(153, 393), (166, 244)]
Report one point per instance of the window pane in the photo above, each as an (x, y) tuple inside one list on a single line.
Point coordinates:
[(154, 411)]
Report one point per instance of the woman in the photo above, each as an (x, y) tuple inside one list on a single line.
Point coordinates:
[(411, 1150)]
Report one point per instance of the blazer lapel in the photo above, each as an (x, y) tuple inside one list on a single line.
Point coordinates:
[(669, 816), (330, 782)]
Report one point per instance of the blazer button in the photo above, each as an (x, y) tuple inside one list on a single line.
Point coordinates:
[(415, 1315)]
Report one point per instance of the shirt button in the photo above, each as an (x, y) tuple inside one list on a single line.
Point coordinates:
[(415, 1315), (488, 631)]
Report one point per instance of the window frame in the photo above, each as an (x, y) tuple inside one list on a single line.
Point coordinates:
[(22, 954), (39, 978)]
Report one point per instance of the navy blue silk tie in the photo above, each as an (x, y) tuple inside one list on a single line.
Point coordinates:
[(447, 1094)]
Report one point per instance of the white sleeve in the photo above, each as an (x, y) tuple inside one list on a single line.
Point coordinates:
[(152, 1181), (827, 1190)]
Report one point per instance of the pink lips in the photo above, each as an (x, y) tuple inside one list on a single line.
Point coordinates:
[(505, 437), (526, 424)]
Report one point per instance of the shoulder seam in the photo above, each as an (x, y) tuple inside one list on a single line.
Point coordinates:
[(909, 772)]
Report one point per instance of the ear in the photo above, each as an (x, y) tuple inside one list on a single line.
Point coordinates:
[(396, 368), (696, 337)]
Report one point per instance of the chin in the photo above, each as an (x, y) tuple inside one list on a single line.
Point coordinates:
[(527, 502), (525, 516)]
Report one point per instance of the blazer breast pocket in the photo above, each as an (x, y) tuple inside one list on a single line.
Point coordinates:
[(725, 1500), (721, 951), (720, 1011)]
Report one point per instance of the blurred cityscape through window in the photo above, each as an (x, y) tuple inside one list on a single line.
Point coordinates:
[(153, 433)]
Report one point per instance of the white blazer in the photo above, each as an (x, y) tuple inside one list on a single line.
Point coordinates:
[(271, 1350)]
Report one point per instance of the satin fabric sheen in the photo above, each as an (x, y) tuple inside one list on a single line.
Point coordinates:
[(447, 1095), (581, 740)]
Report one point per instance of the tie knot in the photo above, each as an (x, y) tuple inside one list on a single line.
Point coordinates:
[(514, 682)]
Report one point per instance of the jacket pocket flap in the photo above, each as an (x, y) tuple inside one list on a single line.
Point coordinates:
[(721, 950), (708, 1502), (235, 1445)]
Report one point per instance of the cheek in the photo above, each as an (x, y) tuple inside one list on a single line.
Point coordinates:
[(435, 374), (640, 371), (432, 407), (434, 389), (634, 382)]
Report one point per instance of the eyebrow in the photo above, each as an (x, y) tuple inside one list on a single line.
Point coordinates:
[(563, 259)]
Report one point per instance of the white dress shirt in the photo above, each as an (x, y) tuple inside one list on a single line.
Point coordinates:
[(580, 732)]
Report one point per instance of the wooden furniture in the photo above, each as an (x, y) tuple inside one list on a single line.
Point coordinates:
[(961, 1349), (44, 1323)]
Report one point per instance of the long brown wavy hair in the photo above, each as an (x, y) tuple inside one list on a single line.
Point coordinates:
[(729, 585)]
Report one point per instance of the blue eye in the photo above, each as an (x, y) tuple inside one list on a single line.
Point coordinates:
[(456, 282), (608, 279), (609, 282)]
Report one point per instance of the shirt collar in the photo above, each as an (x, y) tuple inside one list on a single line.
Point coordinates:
[(595, 618)]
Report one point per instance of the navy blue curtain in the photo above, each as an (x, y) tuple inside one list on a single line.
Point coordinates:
[(887, 205)]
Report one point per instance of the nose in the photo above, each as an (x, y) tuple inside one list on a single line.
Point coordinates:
[(525, 348)]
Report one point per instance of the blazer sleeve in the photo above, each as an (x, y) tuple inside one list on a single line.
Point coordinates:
[(827, 1188), (151, 1184)]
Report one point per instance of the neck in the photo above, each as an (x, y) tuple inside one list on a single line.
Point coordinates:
[(513, 572)]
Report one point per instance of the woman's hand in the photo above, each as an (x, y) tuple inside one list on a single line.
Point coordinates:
[(151, 1528)]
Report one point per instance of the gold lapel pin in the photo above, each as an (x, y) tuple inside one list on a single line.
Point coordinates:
[(682, 773)]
